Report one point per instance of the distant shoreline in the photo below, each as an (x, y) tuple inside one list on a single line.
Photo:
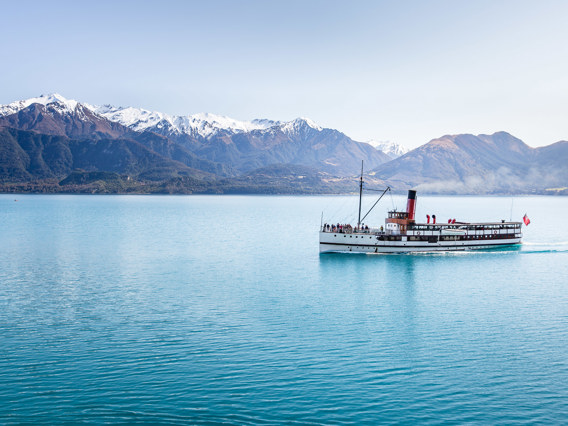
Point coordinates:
[(276, 193)]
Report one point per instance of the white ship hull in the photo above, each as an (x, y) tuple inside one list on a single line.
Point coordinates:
[(330, 243)]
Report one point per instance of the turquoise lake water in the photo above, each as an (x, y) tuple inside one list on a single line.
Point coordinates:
[(219, 309)]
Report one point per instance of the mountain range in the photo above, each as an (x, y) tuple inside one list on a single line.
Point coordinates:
[(53, 144), (469, 164)]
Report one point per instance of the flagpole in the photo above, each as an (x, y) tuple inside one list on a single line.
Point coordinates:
[(360, 196), (511, 215)]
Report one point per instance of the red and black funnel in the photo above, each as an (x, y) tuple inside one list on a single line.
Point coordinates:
[(411, 204)]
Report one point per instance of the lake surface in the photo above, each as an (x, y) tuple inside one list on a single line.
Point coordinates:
[(219, 309)]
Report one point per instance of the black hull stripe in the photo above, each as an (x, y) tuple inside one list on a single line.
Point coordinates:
[(433, 245)]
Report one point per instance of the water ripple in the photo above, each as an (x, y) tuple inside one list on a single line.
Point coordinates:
[(133, 310)]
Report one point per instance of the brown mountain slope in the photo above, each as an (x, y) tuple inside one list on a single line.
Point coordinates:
[(478, 164), (51, 119)]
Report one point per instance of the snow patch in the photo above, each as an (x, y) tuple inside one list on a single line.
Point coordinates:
[(53, 99), (392, 149), (202, 124), (300, 123)]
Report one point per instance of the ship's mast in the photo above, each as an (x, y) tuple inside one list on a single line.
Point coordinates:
[(360, 195), (376, 202)]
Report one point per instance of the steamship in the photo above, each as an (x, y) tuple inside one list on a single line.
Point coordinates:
[(402, 234)]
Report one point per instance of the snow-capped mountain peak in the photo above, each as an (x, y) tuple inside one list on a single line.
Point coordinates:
[(392, 149), (299, 126), (265, 123), (304, 121), (68, 105), (136, 118), (205, 125), (221, 122)]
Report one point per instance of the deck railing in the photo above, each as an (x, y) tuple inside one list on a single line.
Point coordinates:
[(432, 230)]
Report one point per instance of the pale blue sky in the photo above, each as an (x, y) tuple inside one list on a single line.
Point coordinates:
[(406, 71)]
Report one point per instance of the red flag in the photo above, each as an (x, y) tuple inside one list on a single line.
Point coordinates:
[(526, 219)]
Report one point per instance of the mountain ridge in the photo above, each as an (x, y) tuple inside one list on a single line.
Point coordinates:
[(467, 163), (53, 144), (239, 145)]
